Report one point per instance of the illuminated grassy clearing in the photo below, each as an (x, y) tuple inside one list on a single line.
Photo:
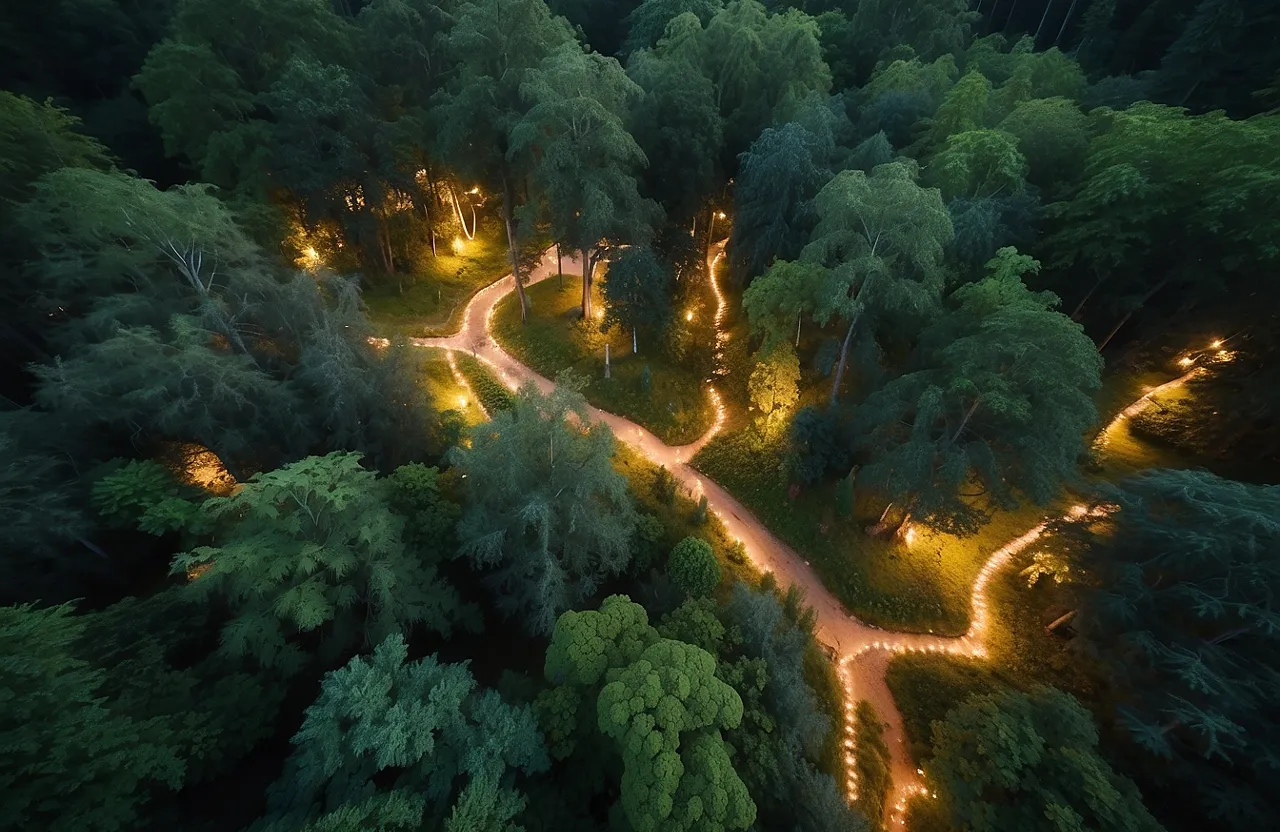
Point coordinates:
[(675, 407), (432, 304)]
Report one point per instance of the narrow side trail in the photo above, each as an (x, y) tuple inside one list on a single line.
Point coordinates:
[(862, 652)]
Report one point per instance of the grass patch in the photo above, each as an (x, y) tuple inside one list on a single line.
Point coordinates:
[(491, 392), (874, 775), (923, 588), (433, 299), (443, 389), (675, 406)]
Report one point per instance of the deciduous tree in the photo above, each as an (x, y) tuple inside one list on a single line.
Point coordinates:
[(546, 511), (637, 292)]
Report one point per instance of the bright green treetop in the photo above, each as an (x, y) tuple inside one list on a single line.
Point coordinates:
[(586, 644), (774, 384), (693, 567), (309, 546), (978, 164), (1011, 760), (665, 711)]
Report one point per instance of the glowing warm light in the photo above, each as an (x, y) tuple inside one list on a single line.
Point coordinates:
[(462, 401), (1222, 353), (688, 316), (474, 190), (312, 254), (461, 381), (910, 536), (720, 215), (1217, 343), (457, 245), (599, 313), (1186, 361), (198, 570)]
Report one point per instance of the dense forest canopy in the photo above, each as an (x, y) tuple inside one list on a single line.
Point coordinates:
[(286, 545)]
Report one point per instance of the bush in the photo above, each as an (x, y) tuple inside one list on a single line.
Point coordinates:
[(693, 567), (874, 776), (124, 496), (493, 395), (664, 486)]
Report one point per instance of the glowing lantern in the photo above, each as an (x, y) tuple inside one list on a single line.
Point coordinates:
[(720, 215), (1186, 360), (688, 316), (1217, 343), (462, 401), (457, 245)]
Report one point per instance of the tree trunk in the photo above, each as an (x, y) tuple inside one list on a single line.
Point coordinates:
[(1080, 306), (1148, 296), (844, 357), (511, 243), (799, 318), (559, 269), (973, 408), (586, 283), (1009, 18), (1059, 621), (1070, 10), (634, 348), (606, 360), (1036, 37)]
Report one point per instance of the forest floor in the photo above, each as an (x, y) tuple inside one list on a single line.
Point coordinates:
[(674, 405), (433, 302), (863, 651)]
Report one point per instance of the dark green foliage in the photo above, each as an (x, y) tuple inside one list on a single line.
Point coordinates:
[(494, 396), (1010, 760), (778, 178), (637, 291), (70, 760), (1007, 405), (874, 775), (1179, 607), (414, 493), (844, 495), (695, 622), (693, 567), (311, 547), (533, 477), (125, 495), (447, 749), (816, 444), (700, 513), (40, 519), (664, 485)]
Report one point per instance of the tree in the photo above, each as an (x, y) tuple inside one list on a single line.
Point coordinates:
[(546, 511), (313, 546), (978, 164), (963, 108), (679, 127), (1170, 201), (1010, 760), (1178, 582), (784, 293), (39, 518), (932, 29), (584, 160), (637, 291), (881, 238), (773, 193), (774, 383), (648, 21), (1002, 402), (418, 727), (70, 760), (693, 567), (1053, 135), (496, 45), (1220, 57)]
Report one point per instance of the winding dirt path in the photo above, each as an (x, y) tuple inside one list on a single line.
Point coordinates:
[(862, 652)]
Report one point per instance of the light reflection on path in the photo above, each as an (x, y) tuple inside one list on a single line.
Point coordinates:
[(861, 651)]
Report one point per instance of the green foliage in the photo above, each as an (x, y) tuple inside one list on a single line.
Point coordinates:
[(414, 493), (1053, 135), (586, 644), (874, 775), (963, 109), (36, 138), (664, 486), (494, 396), (127, 494), (546, 511), (1011, 760), (39, 517), (773, 193), (783, 294), (978, 164), (693, 567), (637, 293), (700, 513), (1006, 404), (774, 384), (932, 29), (70, 760), (664, 710), (425, 722), (313, 546), (844, 494), (695, 622), (1178, 607)]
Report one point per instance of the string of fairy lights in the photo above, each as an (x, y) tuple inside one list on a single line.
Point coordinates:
[(908, 781)]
